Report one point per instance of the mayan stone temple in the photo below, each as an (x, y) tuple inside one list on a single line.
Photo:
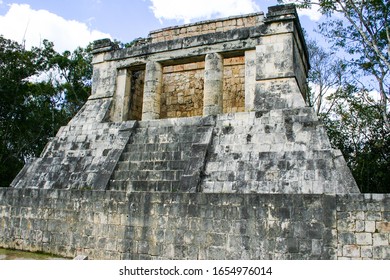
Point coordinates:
[(196, 143)]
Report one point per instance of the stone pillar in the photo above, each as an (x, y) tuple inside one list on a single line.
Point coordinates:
[(104, 71), (152, 91), (281, 62), (121, 107), (213, 85), (250, 79)]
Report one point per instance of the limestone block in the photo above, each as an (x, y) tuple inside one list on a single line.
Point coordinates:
[(366, 252), (380, 239), (363, 238), (277, 94), (351, 251), (383, 227), (274, 57), (369, 226), (381, 252)]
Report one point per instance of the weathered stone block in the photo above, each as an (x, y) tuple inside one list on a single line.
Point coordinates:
[(351, 251), (369, 226), (363, 238), (380, 239), (381, 252), (366, 252), (382, 226)]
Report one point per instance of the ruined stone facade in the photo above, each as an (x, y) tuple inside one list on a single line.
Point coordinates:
[(196, 144)]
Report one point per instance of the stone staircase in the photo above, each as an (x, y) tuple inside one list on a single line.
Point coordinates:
[(164, 155)]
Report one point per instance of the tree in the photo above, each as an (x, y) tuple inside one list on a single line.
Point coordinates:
[(32, 108), (73, 78), (363, 32), (355, 126), (326, 78)]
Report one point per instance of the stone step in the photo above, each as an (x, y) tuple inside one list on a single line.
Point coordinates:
[(161, 158), (152, 165), (137, 186), (154, 156), (147, 175)]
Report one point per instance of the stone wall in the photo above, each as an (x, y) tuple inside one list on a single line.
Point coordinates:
[(363, 224), (143, 225), (205, 27), (136, 94), (234, 84), (182, 90)]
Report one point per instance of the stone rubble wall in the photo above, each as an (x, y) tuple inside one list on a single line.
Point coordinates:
[(136, 93), (143, 225), (234, 84), (183, 86), (182, 93)]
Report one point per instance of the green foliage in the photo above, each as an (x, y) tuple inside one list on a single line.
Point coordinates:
[(356, 128), (40, 90)]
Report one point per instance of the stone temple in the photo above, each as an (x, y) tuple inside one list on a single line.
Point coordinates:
[(196, 143), (213, 107)]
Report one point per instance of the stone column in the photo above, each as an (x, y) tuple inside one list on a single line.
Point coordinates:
[(213, 85), (152, 91), (120, 110)]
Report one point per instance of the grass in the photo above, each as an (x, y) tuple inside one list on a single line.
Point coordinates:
[(9, 254)]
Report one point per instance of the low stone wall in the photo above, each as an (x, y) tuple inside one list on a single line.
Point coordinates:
[(140, 225), (205, 27)]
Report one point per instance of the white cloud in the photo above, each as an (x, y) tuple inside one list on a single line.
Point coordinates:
[(313, 12), (187, 11), (22, 22)]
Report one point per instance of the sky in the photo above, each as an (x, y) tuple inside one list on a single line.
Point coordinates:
[(74, 23)]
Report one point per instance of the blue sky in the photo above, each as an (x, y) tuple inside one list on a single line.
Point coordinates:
[(73, 23)]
